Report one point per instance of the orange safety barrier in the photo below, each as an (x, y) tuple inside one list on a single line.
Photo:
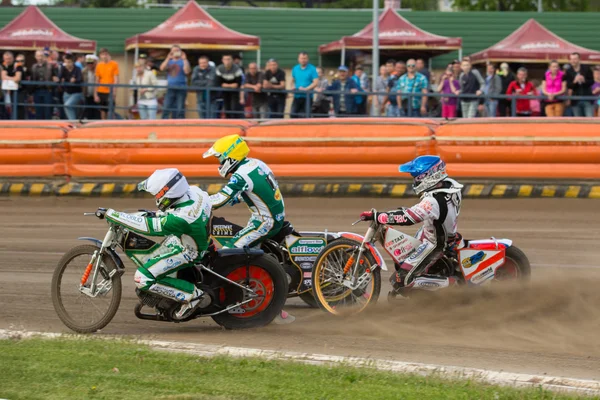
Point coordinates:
[(512, 148), (518, 140), (33, 148)]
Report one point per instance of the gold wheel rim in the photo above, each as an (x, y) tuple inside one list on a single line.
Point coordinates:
[(318, 286)]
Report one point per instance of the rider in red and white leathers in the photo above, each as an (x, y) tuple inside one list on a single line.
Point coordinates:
[(438, 210)]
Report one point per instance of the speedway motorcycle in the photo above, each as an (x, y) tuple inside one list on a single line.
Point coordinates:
[(244, 288), (295, 251), (347, 273)]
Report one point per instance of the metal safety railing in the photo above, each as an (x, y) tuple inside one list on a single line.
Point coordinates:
[(47, 98)]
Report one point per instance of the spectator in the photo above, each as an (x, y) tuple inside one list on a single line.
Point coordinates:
[(554, 85), (344, 104), (107, 73), (80, 61), (579, 81), (89, 78), (362, 85), (237, 60), (506, 76), (254, 81), (469, 84), (42, 71), (410, 83), (178, 68), (304, 78), (321, 103), (522, 87), (229, 76), (380, 87), (399, 70), (12, 74), (456, 69), (421, 69), (492, 88), (203, 76), (275, 80), (72, 95), (596, 87), (390, 66), (145, 80), (449, 85)]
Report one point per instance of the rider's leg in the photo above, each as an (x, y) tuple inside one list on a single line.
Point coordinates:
[(253, 234), (257, 230), (157, 275), (410, 273)]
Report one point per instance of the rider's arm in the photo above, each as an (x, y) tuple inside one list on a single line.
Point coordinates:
[(234, 187), (152, 226), (428, 208)]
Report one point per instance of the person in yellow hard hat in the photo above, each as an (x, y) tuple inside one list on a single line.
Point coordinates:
[(253, 182)]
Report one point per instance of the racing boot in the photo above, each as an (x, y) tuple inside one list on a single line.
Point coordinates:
[(284, 318), (186, 309)]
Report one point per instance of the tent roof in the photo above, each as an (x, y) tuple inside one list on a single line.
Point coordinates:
[(193, 28), (533, 43), (32, 30), (395, 33)]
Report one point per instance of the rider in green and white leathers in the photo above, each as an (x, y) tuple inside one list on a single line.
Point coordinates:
[(254, 181), (184, 219)]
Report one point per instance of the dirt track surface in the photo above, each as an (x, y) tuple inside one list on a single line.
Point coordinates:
[(552, 327)]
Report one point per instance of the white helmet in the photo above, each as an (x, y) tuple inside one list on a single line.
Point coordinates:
[(166, 185)]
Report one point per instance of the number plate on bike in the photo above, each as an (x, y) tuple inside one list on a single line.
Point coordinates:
[(479, 266)]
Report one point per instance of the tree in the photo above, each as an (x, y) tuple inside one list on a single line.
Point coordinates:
[(521, 5)]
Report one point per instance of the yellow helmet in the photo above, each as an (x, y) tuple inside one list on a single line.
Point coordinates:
[(230, 150)]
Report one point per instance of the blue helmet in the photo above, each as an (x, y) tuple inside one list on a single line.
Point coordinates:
[(427, 171)]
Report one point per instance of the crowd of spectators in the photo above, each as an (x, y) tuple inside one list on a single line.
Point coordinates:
[(80, 87)]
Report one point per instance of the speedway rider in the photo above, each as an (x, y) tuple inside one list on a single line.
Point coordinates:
[(183, 217), (438, 210), (253, 182)]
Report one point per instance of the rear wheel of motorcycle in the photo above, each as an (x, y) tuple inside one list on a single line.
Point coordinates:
[(267, 279), (331, 295), (66, 281), (516, 266), (309, 299)]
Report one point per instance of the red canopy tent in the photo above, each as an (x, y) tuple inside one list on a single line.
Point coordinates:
[(533, 43), (193, 28), (395, 33), (32, 30)]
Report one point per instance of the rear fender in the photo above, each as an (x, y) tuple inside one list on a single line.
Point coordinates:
[(374, 251), (489, 244), (113, 254)]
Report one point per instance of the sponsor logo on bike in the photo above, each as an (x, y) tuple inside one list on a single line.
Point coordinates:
[(307, 283), (417, 253), (180, 296), (400, 219), (134, 218), (223, 230), (307, 241), (305, 258), (306, 265), (483, 276), (305, 250), (474, 259), (163, 291)]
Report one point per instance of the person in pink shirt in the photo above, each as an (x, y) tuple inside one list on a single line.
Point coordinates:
[(449, 85), (554, 85)]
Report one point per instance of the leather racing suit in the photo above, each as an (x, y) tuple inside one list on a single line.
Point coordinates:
[(438, 210), (255, 183), (186, 227)]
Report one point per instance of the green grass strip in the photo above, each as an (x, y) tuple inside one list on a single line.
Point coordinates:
[(103, 369)]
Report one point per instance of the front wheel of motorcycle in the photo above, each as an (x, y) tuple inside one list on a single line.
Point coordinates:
[(333, 290), (269, 282), (78, 308)]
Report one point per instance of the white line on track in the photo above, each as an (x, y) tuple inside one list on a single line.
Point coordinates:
[(591, 387)]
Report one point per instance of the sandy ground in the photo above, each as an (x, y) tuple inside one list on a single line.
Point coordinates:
[(552, 326)]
